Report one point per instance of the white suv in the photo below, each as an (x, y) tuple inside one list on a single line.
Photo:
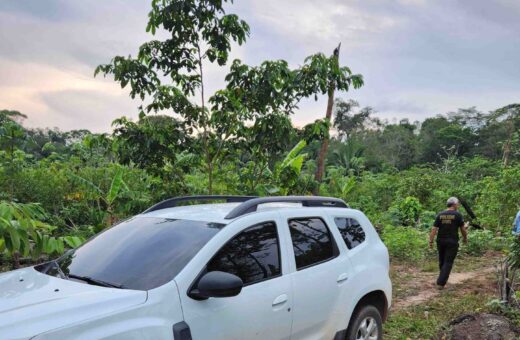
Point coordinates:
[(250, 268)]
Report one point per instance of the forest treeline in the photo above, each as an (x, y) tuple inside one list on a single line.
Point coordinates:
[(398, 173)]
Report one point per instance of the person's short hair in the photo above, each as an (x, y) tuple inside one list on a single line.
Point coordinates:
[(452, 201)]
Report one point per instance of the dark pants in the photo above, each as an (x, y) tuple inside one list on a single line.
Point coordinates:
[(447, 252)]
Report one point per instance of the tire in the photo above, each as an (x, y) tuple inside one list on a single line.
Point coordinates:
[(366, 324)]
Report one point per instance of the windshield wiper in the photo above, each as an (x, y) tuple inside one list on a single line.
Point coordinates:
[(96, 282)]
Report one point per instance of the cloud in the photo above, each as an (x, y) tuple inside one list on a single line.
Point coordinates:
[(75, 109), (51, 96), (51, 10), (418, 57), (71, 43), (331, 21), (311, 26)]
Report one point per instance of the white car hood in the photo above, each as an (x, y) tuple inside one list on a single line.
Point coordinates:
[(32, 302)]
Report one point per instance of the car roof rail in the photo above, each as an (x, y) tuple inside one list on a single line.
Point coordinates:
[(174, 202), (251, 205)]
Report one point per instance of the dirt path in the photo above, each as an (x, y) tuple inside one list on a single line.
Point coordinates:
[(422, 285)]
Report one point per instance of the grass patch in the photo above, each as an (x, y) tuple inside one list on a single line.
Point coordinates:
[(427, 320), (430, 265)]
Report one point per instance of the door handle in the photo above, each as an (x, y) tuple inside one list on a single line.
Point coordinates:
[(342, 278), (280, 299)]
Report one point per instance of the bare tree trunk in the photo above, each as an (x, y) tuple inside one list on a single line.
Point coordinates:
[(16, 260), (325, 144), (509, 142), (210, 178)]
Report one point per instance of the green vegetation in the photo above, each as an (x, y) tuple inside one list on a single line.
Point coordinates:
[(85, 182), (59, 188), (23, 233), (405, 244)]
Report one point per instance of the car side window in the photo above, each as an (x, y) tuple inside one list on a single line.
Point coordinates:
[(253, 255), (351, 231), (312, 241)]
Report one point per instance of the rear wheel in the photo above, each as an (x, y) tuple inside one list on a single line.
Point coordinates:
[(366, 324)]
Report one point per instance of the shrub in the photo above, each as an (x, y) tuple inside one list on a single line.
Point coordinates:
[(480, 241), (405, 243), (426, 219), (410, 209)]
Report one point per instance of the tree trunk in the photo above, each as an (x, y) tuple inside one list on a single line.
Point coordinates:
[(210, 178), (16, 260), (509, 142), (325, 144)]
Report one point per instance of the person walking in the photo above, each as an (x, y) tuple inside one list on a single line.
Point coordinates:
[(446, 227), (516, 224)]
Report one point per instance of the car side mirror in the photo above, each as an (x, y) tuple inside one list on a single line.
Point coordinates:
[(218, 284)]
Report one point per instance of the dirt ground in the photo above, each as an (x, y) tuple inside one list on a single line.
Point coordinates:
[(482, 326), (420, 311), (414, 286), (423, 286)]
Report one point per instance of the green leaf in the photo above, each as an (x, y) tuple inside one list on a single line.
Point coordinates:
[(50, 245), (297, 163), (14, 238), (88, 184), (73, 241), (116, 186), (295, 151), (60, 246)]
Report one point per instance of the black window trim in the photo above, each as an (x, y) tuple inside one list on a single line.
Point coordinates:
[(335, 249), (362, 228), (204, 269)]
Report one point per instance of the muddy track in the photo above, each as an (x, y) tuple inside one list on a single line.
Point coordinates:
[(428, 288)]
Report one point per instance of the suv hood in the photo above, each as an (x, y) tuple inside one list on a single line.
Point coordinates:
[(32, 302)]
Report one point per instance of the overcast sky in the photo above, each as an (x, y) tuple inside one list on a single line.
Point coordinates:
[(419, 57)]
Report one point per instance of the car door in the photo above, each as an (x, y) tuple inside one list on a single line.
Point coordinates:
[(321, 272), (262, 310)]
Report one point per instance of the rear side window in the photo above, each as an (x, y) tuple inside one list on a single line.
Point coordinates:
[(351, 231), (312, 241), (253, 255)]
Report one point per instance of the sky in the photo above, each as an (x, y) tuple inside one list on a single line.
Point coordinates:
[(419, 58)]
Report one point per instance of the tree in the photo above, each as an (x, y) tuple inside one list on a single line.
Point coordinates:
[(470, 117), (346, 121), (264, 95), (324, 75), (165, 135), (12, 138), (511, 116), (398, 145), (440, 137), (171, 71), (11, 116), (263, 144), (348, 155)]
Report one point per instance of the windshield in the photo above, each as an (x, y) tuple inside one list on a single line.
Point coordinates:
[(141, 253)]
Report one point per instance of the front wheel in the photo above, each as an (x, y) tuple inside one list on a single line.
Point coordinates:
[(366, 324)]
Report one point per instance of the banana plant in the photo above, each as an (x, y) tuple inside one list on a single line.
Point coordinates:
[(287, 172), (22, 233), (106, 199)]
